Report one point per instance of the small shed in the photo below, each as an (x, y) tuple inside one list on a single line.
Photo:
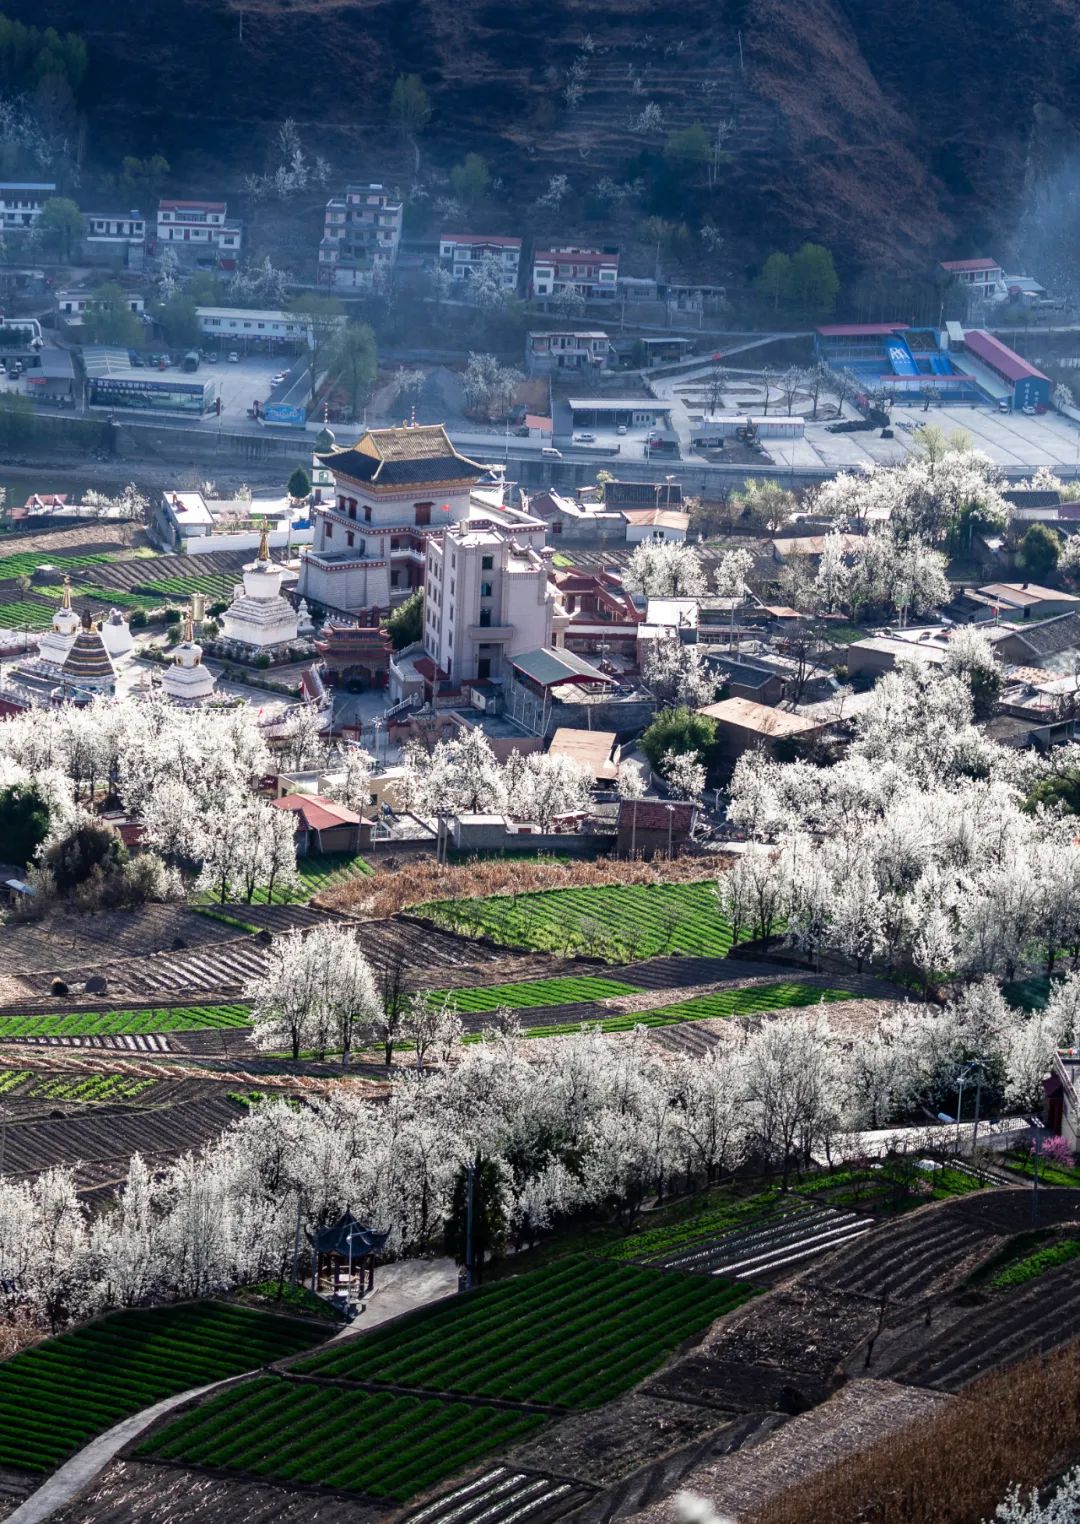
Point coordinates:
[(742, 724), (651, 827), (323, 825)]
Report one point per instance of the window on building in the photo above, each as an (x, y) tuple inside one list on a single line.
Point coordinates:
[(485, 589), (423, 513), (486, 563), (350, 538), (329, 531), (485, 619)]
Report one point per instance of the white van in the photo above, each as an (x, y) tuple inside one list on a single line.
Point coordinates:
[(551, 452)]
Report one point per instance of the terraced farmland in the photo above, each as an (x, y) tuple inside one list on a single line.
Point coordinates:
[(91, 1088), (723, 1003), (614, 921), (384, 1445), (535, 992), (319, 873), (192, 1018), (575, 1334), (58, 1395), (25, 563)]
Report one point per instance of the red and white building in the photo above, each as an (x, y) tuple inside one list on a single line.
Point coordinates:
[(198, 226), (589, 273), (980, 277), (461, 254)]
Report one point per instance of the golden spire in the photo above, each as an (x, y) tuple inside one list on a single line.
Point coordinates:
[(66, 600), (189, 628), (264, 544)]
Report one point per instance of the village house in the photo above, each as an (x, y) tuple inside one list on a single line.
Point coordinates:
[(198, 228), (460, 254), (323, 825), (1010, 601), (602, 617), (655, 524), (22, 201), (1063, 1097), (73, 304), (115, 237), (743, 725), (361, 235), (596, 751), (576, 349), (569, 270)]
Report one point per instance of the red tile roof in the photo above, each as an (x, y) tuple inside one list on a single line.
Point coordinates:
[(962, 265), (317, 813), (497, 240), (1000, 357), (653, 814)]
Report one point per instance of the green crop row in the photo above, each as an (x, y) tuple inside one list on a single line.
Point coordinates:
[(535, 992), (191, 1018), (1037, 1264), (24, 615), (24, 563), (382, 1445), (613, 921), (745, 1002), (59, 1394), (11, 1079), (597, 1325), (93, 1087)]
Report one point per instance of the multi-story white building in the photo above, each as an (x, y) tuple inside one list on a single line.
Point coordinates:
[(460, 254), (361, 233), (21, 202), (227, 323), (589, 273), (392, 490), (487, 598), (581, 351), (200, 226)]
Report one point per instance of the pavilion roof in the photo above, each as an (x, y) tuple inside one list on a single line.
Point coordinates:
[(334, 1239)]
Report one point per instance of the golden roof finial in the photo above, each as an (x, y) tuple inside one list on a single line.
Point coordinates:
[(66, 600), (189, 628), (264, 543)]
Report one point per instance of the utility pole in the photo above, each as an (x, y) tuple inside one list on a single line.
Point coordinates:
[(1035, 1177), (294, 1279), (470, 1172)]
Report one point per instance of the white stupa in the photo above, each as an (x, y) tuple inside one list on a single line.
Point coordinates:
[(260, 617), (55, 645), (305, 625), (118, 638), (186, 680)]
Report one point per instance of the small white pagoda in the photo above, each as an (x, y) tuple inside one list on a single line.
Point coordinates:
[(55, 645), (116, 634), (259, 618), (186, 681)]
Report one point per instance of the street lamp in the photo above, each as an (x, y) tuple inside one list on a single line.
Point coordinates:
[(974, 1066)]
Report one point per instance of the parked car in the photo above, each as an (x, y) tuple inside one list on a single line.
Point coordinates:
[(279, 378), (234, 358), (1029, 411), (621, 430), (1004, 406), (212, 357), (585, 438)]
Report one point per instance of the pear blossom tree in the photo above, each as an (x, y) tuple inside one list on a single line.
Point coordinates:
[(665, 569)]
